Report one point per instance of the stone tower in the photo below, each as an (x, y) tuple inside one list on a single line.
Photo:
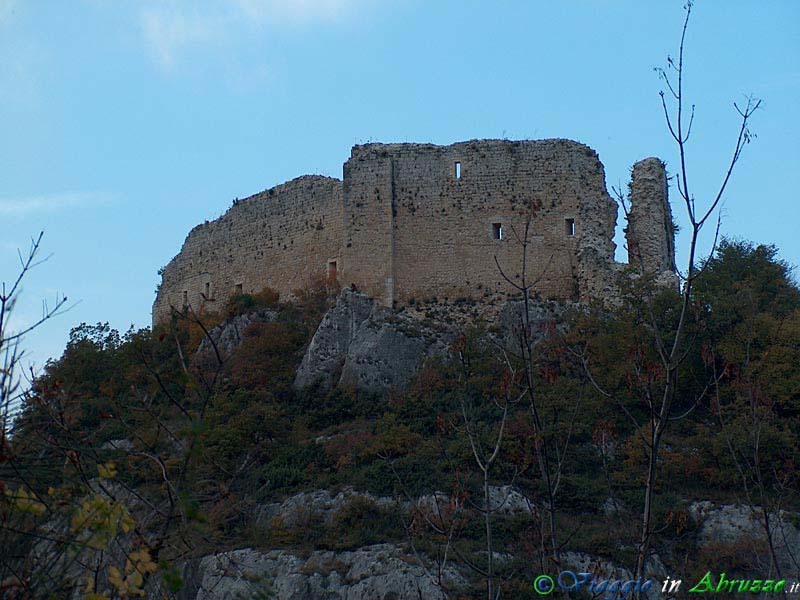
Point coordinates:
[(650, 233)]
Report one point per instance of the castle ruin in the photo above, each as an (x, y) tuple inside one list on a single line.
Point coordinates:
[(414, 221)]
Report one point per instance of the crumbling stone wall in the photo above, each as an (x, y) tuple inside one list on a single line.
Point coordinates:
[(650, 233), (416, 221), (368, 251), (416, 228), (281, 238)]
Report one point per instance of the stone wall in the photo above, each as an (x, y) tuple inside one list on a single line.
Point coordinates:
[(417, 221), (368, 249), (650, 233), (416, 228), (282, 238)]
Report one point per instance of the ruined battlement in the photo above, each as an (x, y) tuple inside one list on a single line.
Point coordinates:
[(411, 221), (275, 238)]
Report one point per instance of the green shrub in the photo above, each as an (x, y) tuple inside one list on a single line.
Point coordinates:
[(362, 522), (239, 304)]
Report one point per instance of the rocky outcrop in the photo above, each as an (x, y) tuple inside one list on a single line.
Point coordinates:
[(365, 346), (229, 335), (68, 549), (325, 356), (322, 503), (380, 572), (504, 501), (121, 445), (604, 569), (544, 317), (739, 524)]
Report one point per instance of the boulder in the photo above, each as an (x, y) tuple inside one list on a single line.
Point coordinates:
[(362, 345)]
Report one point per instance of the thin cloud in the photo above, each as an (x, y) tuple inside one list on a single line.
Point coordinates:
[(296, 11), (169, 30), (50, 203), (172, 29)]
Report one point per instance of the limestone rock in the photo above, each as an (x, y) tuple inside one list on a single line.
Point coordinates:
[(387, 352), (544, 317), (305, 504), (326, 354), (738, 523), (507, 501), (612, 506), (380, 572), (504, 500), (605, 569), (123, 445), (229, 335), (365, 346)]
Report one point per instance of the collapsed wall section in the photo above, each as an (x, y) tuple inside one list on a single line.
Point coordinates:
[(650, 233), (283, 238), (425, 220)]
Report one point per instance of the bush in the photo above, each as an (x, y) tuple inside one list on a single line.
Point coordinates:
[(292, 467), (362, 523), (239, 304)]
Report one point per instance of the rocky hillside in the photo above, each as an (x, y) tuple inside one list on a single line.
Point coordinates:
[(330, 448)]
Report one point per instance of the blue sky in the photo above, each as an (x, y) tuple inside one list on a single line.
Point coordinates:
[(125, 123)]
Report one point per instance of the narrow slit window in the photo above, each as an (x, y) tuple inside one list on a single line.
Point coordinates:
[(238, 289), (208, 291), (185, 298), (569, 226), (497, 231), (332, 270), (457, 170)]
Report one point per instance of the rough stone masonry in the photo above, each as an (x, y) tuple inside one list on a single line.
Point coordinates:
[(414, 221)]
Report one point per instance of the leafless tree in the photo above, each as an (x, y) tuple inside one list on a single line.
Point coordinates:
[(11, 375), (551, 446), (441, 517), (53, 542), (661, 400), (14, 380), (486, 457)]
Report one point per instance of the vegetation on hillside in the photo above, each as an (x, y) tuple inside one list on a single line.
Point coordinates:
[(140, 447)]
